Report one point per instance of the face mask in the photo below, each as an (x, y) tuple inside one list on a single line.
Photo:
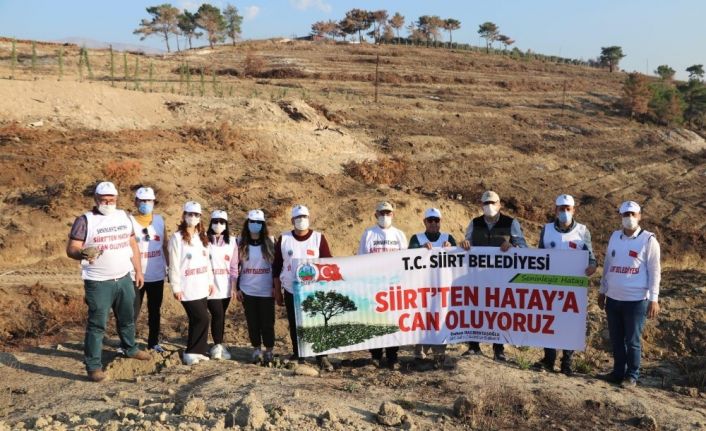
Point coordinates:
[(564, 217), (145, 208), (192, 220), (256, 227), (490, 210), (218, 228), (630, 223), (301, 223), (384, 221), (107, 209)]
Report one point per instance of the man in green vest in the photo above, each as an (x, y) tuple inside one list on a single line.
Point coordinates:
[(492, 229)]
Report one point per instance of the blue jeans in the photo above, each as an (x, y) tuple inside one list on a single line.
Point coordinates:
[(101, 296), (626, 319)]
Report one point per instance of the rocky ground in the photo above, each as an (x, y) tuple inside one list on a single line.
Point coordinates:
[(305, 128)]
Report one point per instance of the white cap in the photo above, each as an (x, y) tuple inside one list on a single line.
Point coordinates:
[(192, 207), (629, 206), (145, 194), (490, 196), (256, 215), (299, 210), (219, 214), (106, 188), (432, 212), (384, 206), (565, 200)]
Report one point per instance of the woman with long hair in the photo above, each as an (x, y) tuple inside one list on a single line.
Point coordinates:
[(191, 278), (223, 251), (255, 285)]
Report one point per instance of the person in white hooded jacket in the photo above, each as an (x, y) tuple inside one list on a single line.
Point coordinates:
[(223, 251), (191, 278)]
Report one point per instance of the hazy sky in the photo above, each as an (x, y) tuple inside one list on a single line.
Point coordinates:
[(651, 32)]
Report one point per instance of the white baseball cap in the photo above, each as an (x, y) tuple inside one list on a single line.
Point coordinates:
[(219, 214), (490, 196), (432, 212), (192, 207), (256, 215), (145, 194), (299, 210), (384, 206), (106, 188), (629, 206), (565, 200)]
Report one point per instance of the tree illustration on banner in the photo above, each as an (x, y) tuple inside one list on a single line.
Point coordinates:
[(328, 304)]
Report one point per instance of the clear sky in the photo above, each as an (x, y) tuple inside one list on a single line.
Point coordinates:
[(651, 32)]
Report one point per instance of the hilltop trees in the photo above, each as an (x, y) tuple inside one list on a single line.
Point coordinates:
[(611, 56), (451, 24), (232, 22), (397, 22), (210, 19), (490, 32), (187, 26), (429, 26), (636, 95), (665, 72), (505, 40), (378, 19), (696, 72), (355, 21), (164, 22)]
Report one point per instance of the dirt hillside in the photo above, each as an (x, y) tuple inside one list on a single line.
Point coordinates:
[(273, 123)]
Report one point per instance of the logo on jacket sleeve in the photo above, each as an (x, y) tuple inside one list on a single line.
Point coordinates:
[(632, 253), (328, 272)]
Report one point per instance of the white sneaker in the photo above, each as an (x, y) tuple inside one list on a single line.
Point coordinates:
[(217, 352), (225, 353), (192, 358), (203, 357)]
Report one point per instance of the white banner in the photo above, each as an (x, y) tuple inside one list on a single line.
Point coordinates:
[(527, 297)]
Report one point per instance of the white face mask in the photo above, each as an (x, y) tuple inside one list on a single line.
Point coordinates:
[(385, 221), (490, 210), (218, 228), (301, 223), (106, 209), (192, 220), (630, 223)]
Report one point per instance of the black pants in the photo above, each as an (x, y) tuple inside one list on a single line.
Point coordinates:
[(289, 303), (197, 310), (260, 316), (218, 308), (550, 356), (497, 348), (155, 293)]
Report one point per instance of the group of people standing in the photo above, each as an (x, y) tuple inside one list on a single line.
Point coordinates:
[(125, 256)]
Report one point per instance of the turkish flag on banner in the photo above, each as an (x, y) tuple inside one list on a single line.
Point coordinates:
[(329, 272), (632, 253)]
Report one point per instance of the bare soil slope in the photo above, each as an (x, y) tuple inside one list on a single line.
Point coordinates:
[(304, 128)]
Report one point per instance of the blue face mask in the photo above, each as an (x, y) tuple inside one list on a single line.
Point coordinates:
[(254, 227), (564, 217), (145, 207)]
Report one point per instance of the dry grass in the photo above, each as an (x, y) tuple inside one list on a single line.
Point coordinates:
[(123, 173), (385, 170)]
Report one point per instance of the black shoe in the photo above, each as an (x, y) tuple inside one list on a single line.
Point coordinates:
[(543, 365), (566, 370), (611, 378), (324, 364), (630, 382), (393, 364), (500, 357), (376, 362), (472, 352)]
